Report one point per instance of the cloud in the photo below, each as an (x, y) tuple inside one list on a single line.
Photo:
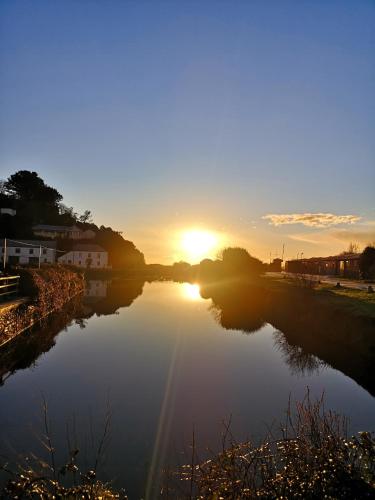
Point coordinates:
[(311, 220)]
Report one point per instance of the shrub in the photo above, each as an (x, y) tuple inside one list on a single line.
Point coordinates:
[(367, 263), (313, 458)]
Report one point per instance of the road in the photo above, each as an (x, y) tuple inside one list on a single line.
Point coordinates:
[(330, 280)]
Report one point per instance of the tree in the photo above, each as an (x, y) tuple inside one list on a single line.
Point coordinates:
[(122, 253), (67, 215), (353, 247), (367, 263), (238, 261), (32, 197), (86, 217), (28, 186)]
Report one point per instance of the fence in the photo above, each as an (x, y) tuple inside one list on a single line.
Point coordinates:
[(8, 286)]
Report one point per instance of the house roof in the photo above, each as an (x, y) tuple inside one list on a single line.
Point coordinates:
[(88, 247), (47, 227), (29, 243)]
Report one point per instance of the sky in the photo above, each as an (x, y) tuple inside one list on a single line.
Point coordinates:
[(251, 119)]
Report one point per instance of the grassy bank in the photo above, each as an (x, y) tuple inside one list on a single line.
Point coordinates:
[(358, 303), (47, 290)]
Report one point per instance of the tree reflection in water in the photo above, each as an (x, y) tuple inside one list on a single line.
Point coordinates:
[(237, 305), (102, 298), (310, 334), (300, 361)]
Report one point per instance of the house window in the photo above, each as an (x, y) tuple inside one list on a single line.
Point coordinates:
[(69, 261), (98, 255), (31, 251), (45, 260), (18, 250), (44, 251), (98, 263), (79, 262)]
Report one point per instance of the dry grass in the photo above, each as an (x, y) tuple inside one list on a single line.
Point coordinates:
[(313, 458)]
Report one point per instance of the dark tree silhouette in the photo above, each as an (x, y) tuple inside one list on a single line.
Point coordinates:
[(237, 261), (122, 253), (28, 186), (85, 217), (367, 263)]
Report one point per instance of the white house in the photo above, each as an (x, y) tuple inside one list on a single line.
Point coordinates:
[(28, 252), (70, 232), (86, 255)]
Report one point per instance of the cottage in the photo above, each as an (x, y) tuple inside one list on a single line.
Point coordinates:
[(69, 232), (28, 252), (86, 255)]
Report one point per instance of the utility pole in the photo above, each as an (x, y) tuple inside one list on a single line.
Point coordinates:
[(5, 253), (40, 254), (282, 256)]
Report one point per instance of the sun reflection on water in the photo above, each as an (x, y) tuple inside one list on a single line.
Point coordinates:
[(191, 292)]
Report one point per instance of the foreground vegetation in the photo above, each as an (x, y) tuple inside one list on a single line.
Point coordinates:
[(314, 458), (309, 456)]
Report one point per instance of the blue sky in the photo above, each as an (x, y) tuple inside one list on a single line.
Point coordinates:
[(159, 116)]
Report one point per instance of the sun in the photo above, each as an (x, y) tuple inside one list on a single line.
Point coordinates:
[(197, 244)]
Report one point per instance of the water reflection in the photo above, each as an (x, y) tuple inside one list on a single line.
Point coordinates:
[(237, 306), (168, 364), (300, 361), (309, 335), (191, 291), (100, 298), (23, 351)]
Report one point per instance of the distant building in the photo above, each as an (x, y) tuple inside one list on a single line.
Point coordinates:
[(28, 252), (345, 265), (8, 211), (86, 255), (69, 232)]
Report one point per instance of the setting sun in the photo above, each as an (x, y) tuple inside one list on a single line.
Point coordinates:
[(197, 244)]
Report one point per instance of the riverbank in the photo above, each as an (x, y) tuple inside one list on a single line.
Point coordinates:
[(44, 290), (359, 303)]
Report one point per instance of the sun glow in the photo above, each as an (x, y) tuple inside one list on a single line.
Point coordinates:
[(191, 292), (197, 244)]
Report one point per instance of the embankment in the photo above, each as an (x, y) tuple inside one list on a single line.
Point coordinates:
[(47, 290)]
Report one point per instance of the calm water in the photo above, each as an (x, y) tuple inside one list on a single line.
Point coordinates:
[(158, 354)]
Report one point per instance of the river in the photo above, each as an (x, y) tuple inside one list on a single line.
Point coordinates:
[(163, 361)]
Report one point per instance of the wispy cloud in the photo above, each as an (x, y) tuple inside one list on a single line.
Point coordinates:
[(311, 220)]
